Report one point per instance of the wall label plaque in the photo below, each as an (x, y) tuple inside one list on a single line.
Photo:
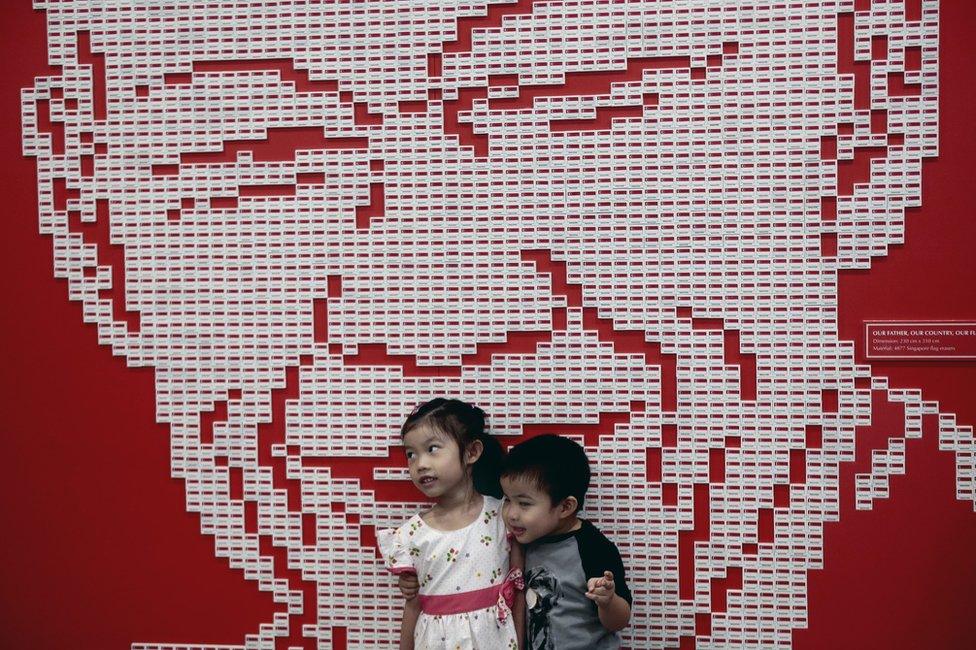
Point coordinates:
[(946, 340)]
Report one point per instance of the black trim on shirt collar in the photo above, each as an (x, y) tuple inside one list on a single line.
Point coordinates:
[(552, 539)]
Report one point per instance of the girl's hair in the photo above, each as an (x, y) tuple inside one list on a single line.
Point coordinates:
[(465, 423)]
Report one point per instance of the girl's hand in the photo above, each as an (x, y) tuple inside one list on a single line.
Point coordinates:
[(600, 590), (409, 585)]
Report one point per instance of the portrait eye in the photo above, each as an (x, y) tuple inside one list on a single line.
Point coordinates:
[(433, 448)]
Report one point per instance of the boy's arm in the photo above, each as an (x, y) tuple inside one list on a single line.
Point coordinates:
[(616, 615), (614, 611), (608, 585), (411, 612), (517, 561)]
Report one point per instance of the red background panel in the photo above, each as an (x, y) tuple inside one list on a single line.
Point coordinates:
[(99, 550)]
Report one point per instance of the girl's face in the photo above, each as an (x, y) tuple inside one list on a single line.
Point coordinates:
[(434, 460)]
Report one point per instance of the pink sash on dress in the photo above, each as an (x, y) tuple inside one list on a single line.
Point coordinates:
[(502, 595)]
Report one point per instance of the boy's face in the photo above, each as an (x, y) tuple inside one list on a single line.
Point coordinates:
[(530, 513)]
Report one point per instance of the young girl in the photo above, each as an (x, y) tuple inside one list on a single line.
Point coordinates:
[(458, 548)]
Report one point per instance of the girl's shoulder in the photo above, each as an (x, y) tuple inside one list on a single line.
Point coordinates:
[(492, 512), (409, 528), (398, 545), (493, 504)]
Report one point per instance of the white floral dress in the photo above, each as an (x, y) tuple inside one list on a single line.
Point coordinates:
[(461, 574)]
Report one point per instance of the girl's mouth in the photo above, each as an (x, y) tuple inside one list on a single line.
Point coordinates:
[(517, 531), (426, 481)]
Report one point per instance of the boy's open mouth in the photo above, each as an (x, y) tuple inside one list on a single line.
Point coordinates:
[(426, 481)]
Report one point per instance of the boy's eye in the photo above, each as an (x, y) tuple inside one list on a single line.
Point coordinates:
[(433, 448), (409, 455)]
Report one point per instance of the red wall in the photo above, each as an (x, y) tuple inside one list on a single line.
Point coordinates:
[(99, 550)]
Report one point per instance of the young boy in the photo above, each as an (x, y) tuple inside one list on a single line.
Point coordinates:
[(576, 596)]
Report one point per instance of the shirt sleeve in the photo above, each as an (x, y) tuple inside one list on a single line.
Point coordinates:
[(395, 550), (599, 554)]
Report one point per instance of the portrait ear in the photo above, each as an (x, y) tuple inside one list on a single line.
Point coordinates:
[(473, 452)]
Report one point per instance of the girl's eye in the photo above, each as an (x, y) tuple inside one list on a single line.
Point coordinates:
[(523, 504), (409, 455), (433, 448)]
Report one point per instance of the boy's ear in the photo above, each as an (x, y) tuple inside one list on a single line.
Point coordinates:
[(473, 452), (566, 507)]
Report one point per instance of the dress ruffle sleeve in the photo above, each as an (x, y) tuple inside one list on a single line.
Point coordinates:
[(395, 550)]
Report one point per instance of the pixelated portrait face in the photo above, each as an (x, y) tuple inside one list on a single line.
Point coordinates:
[(617, 221)]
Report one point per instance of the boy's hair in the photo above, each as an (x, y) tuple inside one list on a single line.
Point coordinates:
[(465, 423), (558, 466)]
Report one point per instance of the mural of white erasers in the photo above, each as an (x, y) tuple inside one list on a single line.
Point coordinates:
[(619, 221)]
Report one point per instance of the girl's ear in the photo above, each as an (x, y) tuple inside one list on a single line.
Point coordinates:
[(567, 507), (473, 452)]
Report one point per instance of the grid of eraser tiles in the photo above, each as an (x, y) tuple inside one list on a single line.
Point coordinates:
[(620, 221)]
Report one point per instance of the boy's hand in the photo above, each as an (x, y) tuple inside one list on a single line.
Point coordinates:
[(409, 585), (600, 590)]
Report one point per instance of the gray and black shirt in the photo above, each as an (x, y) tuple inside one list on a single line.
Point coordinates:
[(559, 615)]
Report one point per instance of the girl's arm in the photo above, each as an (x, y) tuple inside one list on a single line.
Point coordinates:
[(516, 560), (411, 612)]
